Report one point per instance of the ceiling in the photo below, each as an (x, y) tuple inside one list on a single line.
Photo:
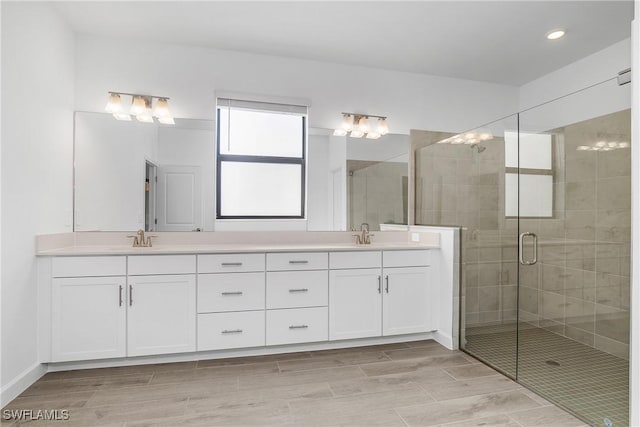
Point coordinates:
[(502, 42)]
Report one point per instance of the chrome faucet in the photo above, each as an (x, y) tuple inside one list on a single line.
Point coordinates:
[(139, 240), (364, 237)]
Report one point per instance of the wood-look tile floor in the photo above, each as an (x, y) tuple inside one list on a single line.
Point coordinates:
[(407, 384)]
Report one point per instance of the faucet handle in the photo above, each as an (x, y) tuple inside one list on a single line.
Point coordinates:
[(148, 241), (136, 241)]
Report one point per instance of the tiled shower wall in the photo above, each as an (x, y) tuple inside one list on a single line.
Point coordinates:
[(580, 286)]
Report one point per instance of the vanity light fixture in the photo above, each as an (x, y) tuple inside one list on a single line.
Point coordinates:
[(141, 108), (358, 126)]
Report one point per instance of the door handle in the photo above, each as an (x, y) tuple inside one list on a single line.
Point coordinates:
[(386, 278), (120, 296), (379, 284), (130, 295), (521, 248)]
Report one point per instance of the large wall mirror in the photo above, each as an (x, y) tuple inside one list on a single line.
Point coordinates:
[(131, 175)]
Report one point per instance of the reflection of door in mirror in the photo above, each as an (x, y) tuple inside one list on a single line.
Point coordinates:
[(179, 198), (150, 195)]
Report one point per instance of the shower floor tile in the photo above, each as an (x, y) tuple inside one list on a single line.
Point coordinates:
[(588, 382)]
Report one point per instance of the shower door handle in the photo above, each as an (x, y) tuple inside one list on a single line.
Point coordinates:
[(521, 248)]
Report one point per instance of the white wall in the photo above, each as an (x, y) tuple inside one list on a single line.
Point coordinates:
[(578, 75), (191, 75), (37, 137), (318, 180)]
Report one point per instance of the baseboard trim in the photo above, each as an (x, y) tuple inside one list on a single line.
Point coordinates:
[(444, 340), (256, 351), (20, 383)]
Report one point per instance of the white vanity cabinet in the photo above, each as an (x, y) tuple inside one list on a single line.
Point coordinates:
[(231, 301), (391, 296), (88, 311), (161, 307)]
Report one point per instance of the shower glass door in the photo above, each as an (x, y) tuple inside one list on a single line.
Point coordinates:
[(574, 184), (543, 202)]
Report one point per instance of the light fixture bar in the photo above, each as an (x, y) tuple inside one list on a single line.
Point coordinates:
[(142, 95), (358, 115)]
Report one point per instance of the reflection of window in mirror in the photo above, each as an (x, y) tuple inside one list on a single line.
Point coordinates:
[(529, 174), (261, 160)]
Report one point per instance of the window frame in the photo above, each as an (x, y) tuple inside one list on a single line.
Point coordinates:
[(244, 158)]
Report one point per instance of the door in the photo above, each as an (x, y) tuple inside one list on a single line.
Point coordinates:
[(355, 303), (179, 198), (89, 318), (407, 302), (162, 314)]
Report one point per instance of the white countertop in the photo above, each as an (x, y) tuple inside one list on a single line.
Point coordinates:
[(230, 248)]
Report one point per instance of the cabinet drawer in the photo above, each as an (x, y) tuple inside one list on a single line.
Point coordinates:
[(297, 325), (161, 264), (218, 331), (344, 260), (230, 292), (230, 263), (412, 258), (88, 266), (290, 289), (297, 261)]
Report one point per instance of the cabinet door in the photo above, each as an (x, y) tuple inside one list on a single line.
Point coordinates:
[(355, 303), (162, 314), (407, 302), (88, 318)]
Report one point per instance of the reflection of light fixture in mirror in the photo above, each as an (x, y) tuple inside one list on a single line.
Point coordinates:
[(141, 108), (357, 126), (122, 116), (468, 138)]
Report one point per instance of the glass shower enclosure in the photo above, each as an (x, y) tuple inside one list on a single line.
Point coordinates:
[(543, 201)]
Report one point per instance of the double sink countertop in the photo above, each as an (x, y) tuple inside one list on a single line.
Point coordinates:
[(167, 243)]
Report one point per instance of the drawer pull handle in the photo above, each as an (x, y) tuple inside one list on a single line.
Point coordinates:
[(232, 293), (300, 261), (231, 264), (232, 331), (298, 327), (299, 290)]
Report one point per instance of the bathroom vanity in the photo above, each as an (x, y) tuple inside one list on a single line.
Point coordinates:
[(113, 304)]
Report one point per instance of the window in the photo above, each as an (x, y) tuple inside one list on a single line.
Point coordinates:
[(260, 160), (529, 174)]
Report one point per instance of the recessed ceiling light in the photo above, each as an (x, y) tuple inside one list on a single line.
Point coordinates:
[(555, 34)]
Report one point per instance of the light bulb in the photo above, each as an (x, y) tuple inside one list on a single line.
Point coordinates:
[(363, 125), (138, 106), (458, 140), (356, 133), (383, 127), (162, 108), (583, 148), (122, 116), (145, 116), (347, 123), (339, 132), (485, 136), (373, 135), (624, 145), (613, 144), (601, 144), (114, 105)]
